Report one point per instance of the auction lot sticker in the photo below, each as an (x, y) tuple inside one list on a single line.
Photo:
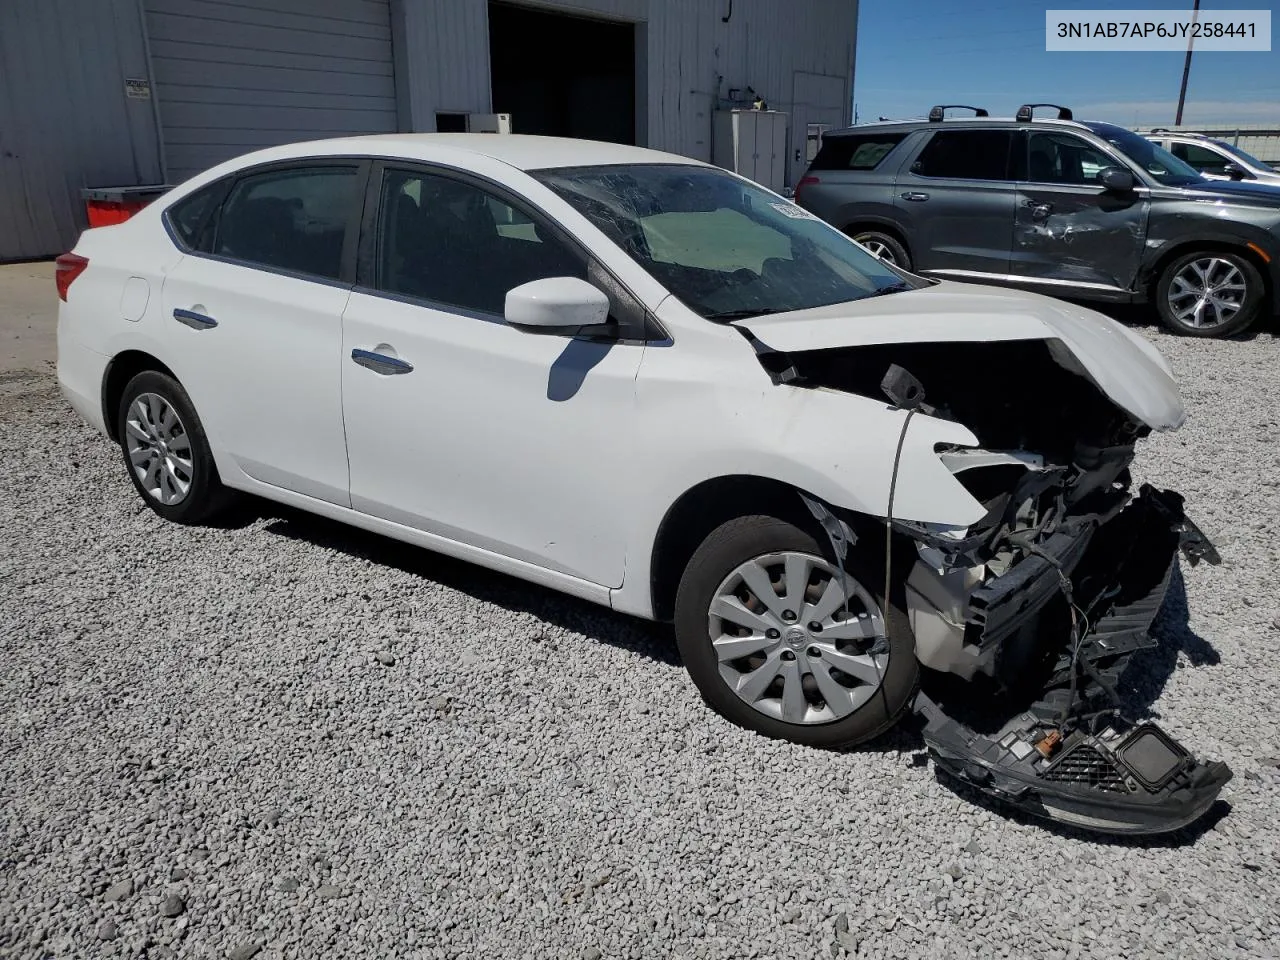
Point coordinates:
[(1154, 30)]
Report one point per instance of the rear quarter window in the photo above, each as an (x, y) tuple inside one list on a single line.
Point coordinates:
[(860, 152), (191, 218)]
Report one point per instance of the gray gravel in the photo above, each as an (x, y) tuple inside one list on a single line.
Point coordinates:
[(287, 739)]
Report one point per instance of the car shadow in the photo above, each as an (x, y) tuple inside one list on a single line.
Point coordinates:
[(1147, 674), (650, 640)]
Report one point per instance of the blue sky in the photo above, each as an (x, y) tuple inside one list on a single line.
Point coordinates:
[(990, 53)]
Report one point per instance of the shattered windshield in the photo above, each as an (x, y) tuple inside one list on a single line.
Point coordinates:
[(725, 247), (1151, 157)]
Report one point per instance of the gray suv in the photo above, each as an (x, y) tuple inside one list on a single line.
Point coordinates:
[(1088, 211)]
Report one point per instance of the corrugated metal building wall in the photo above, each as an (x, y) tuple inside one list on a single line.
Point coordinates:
[(66, 120), (214, 78)]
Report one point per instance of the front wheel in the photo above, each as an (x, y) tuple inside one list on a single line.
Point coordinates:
[(778, 642), (1209, 294)]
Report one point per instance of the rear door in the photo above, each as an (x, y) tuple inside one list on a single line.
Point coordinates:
[(956, 199), (252, 317), (1069, 229)]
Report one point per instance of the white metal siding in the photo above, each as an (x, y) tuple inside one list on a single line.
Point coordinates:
[(237, 75), (690, 59), (65, 122)]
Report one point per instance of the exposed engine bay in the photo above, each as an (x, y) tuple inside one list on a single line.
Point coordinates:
[(1038, 606)]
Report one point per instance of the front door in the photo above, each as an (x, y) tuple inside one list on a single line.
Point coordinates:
[(461, 425), (1069, 229), (955, 200), (255, 322)]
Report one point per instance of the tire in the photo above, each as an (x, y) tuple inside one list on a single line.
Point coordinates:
[(869, 709), (1237, 281), (884, 246), (184, 489)]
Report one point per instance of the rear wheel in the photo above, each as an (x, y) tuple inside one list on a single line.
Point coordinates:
[(1209, 294), (884, 246), (166, 451), (778, 642)]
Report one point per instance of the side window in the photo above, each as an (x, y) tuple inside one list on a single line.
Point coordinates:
[(455, 244), (1202, 158), (290, 219), (191, 217), (855, 152), (1063, 158), (966, 155)]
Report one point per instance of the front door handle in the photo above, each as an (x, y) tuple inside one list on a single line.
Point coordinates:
[(193, 319), (915, 195), (381, 363), (1039, 209)]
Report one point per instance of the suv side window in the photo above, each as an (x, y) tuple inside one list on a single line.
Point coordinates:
[(862, 152), (455, 244), (1202, 158), (290, 219), (1054, 157), (966, 155)]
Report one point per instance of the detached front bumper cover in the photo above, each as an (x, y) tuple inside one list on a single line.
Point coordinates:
[(1071, 757)]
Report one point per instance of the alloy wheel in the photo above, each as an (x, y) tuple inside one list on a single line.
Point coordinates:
[(793, 642), (159, 449), (1207, 293), (877, 248)]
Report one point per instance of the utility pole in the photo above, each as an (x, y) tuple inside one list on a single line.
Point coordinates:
[(1186, 66)]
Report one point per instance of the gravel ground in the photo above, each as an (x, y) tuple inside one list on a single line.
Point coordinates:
[(288, 739)]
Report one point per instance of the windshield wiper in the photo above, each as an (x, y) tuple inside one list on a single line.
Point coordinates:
[(727, 315), (900, 287)]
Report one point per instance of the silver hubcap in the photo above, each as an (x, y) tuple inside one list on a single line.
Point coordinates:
[(159, 449), (878, 248), (792, 643), (1207, 292)]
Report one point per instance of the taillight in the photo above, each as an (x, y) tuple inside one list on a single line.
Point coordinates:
[(805, 182), (66, 268)]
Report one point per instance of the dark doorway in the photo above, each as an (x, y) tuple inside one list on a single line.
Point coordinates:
[(563, 76)]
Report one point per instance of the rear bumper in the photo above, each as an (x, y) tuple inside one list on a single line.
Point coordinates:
[(80, 374)]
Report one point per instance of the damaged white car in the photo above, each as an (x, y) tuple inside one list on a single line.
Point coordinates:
[(641, 380)]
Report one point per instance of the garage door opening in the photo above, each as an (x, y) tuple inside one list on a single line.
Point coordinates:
[(563, 76)]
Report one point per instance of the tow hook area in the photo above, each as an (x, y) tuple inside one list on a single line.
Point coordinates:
[(1070, 756)]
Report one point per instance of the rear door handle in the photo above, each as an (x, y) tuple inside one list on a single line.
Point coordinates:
[(194, 320), (381, 363), (915, 195)]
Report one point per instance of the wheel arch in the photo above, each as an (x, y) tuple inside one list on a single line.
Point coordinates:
[(122, 368), (708, 504), (1210, 245)]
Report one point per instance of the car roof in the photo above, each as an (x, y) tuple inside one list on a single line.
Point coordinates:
[(523, 151)]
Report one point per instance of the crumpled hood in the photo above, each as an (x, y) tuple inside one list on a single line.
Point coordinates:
[(1125, 366)]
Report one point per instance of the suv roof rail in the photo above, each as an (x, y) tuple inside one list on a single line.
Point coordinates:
[(1024, 111), (937, 113), (1160, 130)]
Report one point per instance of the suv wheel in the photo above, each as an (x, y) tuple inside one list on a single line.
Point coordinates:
[(1209, 294), (777, 644), (885, 247), (165, 450)]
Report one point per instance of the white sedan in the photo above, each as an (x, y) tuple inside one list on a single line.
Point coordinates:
[(638, 379)]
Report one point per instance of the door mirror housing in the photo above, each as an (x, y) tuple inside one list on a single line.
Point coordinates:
[(1237, 172), (1116, 179), (558, 305)]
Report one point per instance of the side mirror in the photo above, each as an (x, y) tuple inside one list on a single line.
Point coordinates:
[(1236, 172), (1115, 179), (556, 305)]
